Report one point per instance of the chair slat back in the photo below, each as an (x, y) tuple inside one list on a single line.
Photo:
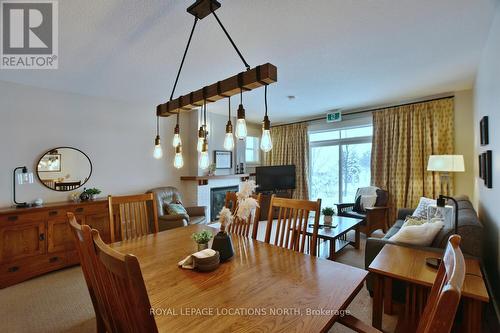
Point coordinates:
[(132, 215), (439, 313), (239, 226), (122, 289), (292, 223), (84, 244)]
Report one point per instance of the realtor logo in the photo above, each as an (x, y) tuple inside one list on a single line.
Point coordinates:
[(29, 34)]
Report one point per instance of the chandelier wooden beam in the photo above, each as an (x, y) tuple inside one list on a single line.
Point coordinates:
[(248, 80)]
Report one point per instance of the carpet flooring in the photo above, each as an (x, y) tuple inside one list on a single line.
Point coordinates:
[(58, 302)]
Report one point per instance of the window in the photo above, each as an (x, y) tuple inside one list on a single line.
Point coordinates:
[(339, 163), (252, 152)]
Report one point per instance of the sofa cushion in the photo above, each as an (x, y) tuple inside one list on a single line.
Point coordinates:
[(197, 220), (395, 228)]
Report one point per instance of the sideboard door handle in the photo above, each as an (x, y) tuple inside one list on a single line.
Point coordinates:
[(79, 210), (12, 218), (41, 237), (52, 213), (53, 259), (13, 269)]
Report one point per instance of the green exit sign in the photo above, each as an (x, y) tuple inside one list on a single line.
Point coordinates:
[(332, 117)]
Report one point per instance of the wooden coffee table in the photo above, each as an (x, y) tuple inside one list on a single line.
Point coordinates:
[(337, 233)]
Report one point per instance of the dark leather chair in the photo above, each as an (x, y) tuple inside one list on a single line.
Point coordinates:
[(373, 218), (170, 194)]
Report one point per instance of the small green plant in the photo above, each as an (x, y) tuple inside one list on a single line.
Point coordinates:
[(92, 191), (202, 237), (328, 211)]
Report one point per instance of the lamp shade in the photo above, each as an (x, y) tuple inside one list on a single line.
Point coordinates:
[(446, 163)]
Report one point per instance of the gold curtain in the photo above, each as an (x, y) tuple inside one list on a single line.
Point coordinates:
[(403, 139), (291, 146)]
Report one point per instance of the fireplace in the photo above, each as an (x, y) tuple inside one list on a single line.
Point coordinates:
[(218, 198)]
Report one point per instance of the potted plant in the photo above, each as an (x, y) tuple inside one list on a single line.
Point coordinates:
[(202, 238), (328, 213), (92, 193)]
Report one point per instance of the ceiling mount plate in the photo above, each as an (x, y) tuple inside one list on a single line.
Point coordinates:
[(203, 8)]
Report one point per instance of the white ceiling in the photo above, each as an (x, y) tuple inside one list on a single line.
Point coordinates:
[(330, 53)]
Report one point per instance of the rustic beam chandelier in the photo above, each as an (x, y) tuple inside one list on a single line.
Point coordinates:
[(250, 79)]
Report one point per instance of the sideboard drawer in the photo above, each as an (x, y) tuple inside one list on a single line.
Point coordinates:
[(89, 209)]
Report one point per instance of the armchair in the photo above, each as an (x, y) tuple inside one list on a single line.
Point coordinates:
[(374, 217), (169, 194)]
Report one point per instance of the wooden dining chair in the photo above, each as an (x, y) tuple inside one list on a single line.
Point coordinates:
[(83, 242), (240, 227), (443, 301), (292, 223), (122, 290), (132, 216)]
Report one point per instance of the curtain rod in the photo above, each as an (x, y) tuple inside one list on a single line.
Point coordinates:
[(368, 110)]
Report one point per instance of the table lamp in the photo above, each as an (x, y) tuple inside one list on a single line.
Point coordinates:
[(21, 178)]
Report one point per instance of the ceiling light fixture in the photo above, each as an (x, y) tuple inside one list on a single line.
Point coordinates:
[(241, 125), (266, 143), (229, 139), (157, 152), (177, 137), (204, 161), (250, 79)]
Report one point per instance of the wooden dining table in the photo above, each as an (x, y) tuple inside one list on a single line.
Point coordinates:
[(262, 288)]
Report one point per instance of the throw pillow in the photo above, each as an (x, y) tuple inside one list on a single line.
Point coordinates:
[(411, 220), (421, 210), (368, 201), (175, 209), (421, 235)]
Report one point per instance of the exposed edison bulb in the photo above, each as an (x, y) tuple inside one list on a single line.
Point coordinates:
[(201, 138), (177, 140), (204, 159), (229, 141), (266, 144), (157, 152), (241, 125), (178, 159), (241, 129)]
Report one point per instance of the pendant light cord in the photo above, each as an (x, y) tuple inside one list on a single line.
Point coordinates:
[(241, 95), (205, 116), (183, 58), (157, 125), (265, 97), (229, 108), (232, 42)]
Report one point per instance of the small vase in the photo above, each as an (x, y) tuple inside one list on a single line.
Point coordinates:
[(202, 246), (222, 243), (327, 219)]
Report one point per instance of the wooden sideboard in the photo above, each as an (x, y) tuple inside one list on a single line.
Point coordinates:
[(37, 240)]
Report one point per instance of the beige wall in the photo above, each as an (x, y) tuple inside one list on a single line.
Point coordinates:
[(487, 103), (464, 142), (117, 136)]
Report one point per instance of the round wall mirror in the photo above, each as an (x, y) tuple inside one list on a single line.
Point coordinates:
[(64, 169)]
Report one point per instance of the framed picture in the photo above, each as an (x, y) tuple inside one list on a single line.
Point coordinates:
[(481, 170), (223, 159), (50, 163), (488, 175), (485, 135)]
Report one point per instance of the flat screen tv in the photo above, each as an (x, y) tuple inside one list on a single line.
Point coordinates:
[(275, 178)]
